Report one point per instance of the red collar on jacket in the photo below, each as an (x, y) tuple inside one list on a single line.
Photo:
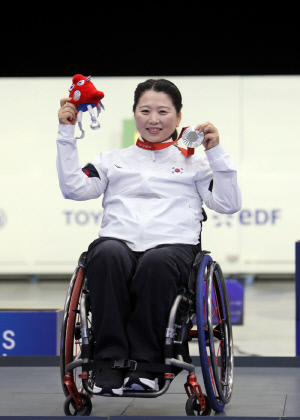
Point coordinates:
[(159, 146)]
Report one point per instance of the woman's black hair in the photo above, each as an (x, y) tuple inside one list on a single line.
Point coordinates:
[(160, 85)]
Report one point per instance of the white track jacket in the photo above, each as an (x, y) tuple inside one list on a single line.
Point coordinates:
[(149, 197)]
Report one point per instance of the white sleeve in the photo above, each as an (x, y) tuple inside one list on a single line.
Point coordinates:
[(73, 182), (220, 191)]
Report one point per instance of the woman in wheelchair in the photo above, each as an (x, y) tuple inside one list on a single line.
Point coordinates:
[(152, 211)]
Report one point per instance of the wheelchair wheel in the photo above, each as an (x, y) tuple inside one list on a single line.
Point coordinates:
[(69, 350), (214, 333), (192, 407)]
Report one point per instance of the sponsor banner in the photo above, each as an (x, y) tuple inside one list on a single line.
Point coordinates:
[(30, 333)]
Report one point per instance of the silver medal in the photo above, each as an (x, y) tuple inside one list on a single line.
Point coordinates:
[(192, 138)]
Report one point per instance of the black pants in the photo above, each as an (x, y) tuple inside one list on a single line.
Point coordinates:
[(132, 294)]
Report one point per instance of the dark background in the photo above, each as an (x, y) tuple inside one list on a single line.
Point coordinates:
[(151, 38)]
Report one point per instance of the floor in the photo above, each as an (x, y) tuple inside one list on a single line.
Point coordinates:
[(258, 392), (268, 330)]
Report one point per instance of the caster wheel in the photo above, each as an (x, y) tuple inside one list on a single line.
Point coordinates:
[(70, 406), (192, 407)]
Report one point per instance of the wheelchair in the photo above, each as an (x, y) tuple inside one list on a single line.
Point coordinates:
[(204, 303)]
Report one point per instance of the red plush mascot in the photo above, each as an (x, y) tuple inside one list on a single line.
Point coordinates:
[(85, 97)]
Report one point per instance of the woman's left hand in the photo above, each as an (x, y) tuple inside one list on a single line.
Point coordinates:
[(211, 135)]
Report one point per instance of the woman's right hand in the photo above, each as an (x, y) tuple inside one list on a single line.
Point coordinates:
[(67, 113)]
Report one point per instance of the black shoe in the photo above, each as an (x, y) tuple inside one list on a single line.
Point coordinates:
[(141, 381), (109, 382)]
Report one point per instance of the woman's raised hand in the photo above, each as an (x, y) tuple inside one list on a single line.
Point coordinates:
[(67, 112), (211, 135)]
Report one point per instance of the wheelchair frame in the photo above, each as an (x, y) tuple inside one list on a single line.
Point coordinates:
[(206, 299)]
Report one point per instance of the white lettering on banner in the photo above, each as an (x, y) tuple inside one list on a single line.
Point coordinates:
[(82, 217), (6, 336), (247, 217)]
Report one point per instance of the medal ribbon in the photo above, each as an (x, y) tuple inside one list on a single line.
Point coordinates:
[(159, 146)]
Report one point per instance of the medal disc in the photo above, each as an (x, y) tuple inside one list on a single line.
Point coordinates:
[(192, 138)]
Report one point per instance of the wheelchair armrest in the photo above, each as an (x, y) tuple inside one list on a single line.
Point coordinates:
[(199, 257), (82, 259)]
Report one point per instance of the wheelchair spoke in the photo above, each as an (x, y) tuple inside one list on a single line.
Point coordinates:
[(218, 352), (211, 374), (216, 305)]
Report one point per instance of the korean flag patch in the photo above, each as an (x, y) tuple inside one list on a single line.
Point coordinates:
[(177, 170)]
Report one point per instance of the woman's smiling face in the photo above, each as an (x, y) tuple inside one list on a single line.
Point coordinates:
[(156, 117)]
